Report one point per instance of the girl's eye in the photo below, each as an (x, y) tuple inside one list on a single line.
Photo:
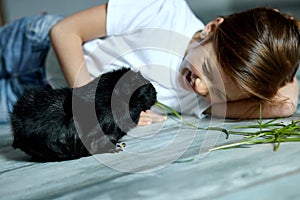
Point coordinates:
[(219, 94), (206, 71)]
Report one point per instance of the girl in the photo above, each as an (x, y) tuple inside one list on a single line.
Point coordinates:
[(238, 61)]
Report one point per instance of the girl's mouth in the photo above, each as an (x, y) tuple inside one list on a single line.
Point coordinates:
[(190, 80)]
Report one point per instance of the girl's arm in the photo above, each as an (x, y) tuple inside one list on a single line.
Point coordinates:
[(67, 38), (286, 104)]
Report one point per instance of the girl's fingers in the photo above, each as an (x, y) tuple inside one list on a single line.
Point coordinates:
[(155, 117), (150, 117), (144, 119)]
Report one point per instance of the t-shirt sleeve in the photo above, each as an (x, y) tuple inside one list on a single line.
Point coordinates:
[(128, 15)]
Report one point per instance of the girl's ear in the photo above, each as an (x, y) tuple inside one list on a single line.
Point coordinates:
[(211, 27)]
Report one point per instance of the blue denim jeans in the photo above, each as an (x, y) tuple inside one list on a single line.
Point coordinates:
[(24, 45)]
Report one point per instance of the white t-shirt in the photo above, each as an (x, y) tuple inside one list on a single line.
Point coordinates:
[(150, 36)]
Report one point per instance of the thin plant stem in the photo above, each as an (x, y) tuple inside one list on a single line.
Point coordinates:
[(164, 109), (271, 131)]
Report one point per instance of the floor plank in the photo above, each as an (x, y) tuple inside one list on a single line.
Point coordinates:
[(160, 161)]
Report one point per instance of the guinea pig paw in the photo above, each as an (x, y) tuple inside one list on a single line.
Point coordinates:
[(119, 147)]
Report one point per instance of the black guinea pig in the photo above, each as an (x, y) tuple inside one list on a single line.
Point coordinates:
[(69, 123)]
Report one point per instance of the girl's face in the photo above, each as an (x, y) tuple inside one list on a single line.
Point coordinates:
[(200, 72)]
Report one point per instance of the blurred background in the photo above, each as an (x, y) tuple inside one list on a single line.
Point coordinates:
[(204, 9)]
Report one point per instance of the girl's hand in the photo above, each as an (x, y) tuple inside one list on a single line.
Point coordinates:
[(149, 117)]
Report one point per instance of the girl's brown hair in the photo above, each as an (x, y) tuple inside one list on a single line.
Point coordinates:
[(259, 50)]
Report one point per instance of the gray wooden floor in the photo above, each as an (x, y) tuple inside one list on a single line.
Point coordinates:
[(160, 161)]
